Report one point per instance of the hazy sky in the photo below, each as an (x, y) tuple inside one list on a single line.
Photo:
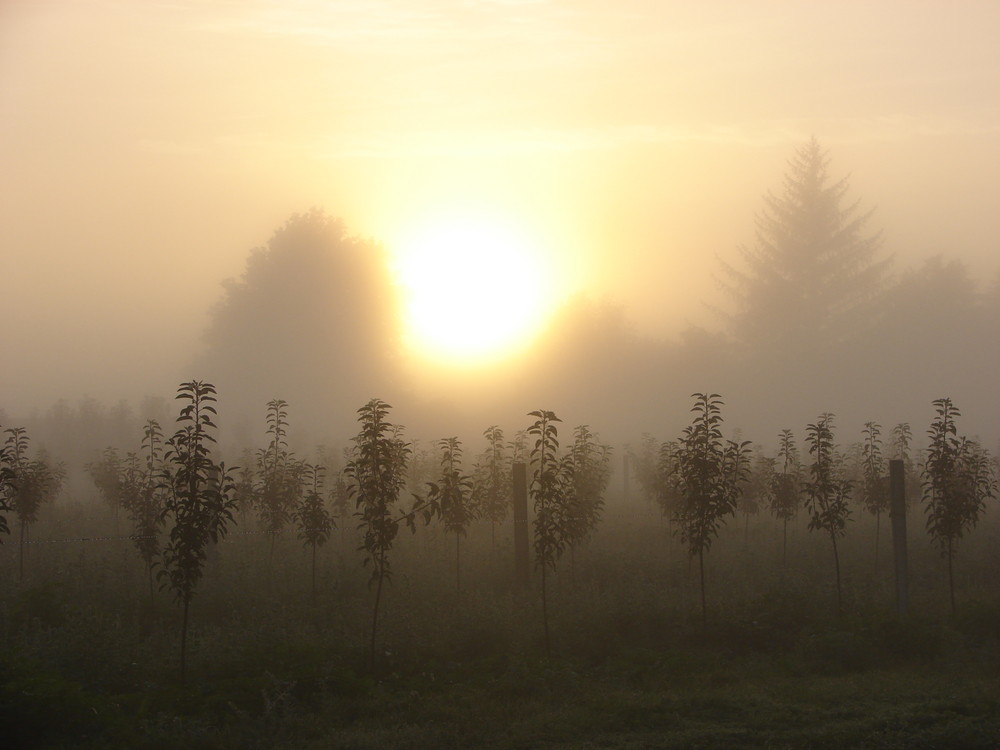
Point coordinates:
[(146, 147)]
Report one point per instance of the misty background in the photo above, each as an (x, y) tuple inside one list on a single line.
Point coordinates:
[(215, 190)]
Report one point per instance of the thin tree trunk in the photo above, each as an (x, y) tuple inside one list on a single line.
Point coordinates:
[(314, 572), (784, 543), (878, 519), (458, 563), (951, 577), (701, 575), (545, 614), (836, 564), (746, 531), (378, 599), (152, 593), (21, 553), (184, 630)]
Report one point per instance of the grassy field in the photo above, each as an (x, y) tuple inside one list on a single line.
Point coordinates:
[(89, 661)]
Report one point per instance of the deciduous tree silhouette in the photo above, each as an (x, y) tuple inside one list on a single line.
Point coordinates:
[(314, 314)]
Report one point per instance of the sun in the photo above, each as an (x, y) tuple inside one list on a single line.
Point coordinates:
[(474, 289)]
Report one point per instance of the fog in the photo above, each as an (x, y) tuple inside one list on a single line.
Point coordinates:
[(148, 149)]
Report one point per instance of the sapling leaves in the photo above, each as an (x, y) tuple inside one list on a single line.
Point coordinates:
[(311, 516), (711, 475), (376, 475), (590, 468), (451, 497), (958, 479), (492, 478), (550, 488), (199, 500), (31, 482), (826, 492)]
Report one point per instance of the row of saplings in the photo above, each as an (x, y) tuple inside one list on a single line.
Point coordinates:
[(175, 486), (700, 479)]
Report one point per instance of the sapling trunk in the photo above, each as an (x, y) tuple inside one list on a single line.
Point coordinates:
[(784, 543), (878, 519), (951, 576), (314, 572), (378, 599), (20, 554), (701, 576), (836, 565), (184, 630), (458, 563), (545, 616), (152, 592)]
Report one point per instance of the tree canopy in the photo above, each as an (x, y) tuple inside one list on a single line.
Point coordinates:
[(312, 319)]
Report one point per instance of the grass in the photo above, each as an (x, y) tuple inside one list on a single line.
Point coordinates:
[(88, 662)]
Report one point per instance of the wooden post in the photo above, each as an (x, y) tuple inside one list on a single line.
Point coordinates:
[(897, 512), (522, 569)]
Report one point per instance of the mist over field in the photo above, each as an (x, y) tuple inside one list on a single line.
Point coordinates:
[(702, 269)]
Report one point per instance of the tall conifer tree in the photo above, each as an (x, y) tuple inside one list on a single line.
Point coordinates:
[(813, 273)]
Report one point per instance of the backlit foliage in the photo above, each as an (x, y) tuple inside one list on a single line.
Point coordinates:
[(199, 503), (958, 480), (451, 496), (376, 475), (826, 493), (786, 491), (279, 474), (312, 519), (31, 483), (590, 462), (492, 484), (549, 488), (712, 474)]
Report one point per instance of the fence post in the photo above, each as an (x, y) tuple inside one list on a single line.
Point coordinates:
[(897, 512), (521, 566)]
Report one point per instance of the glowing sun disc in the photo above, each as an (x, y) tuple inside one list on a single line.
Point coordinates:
[(474, 290)]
